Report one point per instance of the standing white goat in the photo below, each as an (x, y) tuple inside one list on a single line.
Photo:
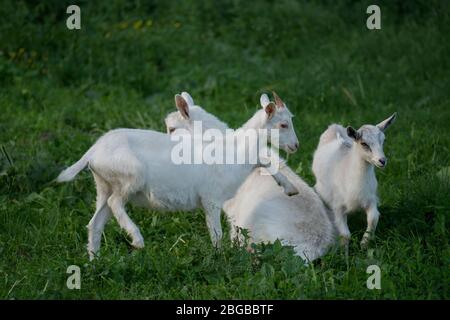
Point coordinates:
[(188, 113), (345, 177), (136, 165), (261, 207)]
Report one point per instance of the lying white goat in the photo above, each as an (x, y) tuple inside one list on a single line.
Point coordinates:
[(345, 177), (261, 207), (136, 165)]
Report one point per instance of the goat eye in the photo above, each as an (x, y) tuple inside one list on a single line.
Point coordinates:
[(171, 130), (365, 145), (283, 125)]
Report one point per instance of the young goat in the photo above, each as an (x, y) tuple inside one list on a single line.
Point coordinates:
[(136, 165), (261, 207), (188, 113), (345, 177)]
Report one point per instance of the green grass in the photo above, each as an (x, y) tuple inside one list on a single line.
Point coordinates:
[(61, 89)]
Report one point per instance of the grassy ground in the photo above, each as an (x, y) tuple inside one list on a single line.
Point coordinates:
[(60, 90)]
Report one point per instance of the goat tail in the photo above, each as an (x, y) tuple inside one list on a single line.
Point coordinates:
[(71, 172)]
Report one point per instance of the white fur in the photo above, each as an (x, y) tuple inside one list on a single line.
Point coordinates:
[(300, 221), (345, 175), (261, 207), (175, 120), (135, 165)]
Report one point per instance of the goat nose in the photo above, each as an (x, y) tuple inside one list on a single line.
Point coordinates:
[(296, 145), (382, 161)]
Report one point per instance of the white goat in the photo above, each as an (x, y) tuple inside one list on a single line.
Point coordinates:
[(136, 165), (261, 207), (186, 115), (345, 177)]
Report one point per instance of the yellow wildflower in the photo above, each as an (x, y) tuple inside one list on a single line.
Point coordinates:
[(137, 24)]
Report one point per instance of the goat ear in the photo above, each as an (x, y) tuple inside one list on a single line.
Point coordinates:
[(264, 100), (188, 98), (352, 133), (270, 110), (182, 106), (383, 125), (278, 101)]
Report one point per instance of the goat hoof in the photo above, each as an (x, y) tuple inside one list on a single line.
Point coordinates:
[(344, 241), (364, 243), (138, 243), (365, 240), (291, 192)]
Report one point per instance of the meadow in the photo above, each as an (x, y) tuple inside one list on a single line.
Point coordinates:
[(61, 89)]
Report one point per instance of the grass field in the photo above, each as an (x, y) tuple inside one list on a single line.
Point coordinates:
[(61, 89)]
